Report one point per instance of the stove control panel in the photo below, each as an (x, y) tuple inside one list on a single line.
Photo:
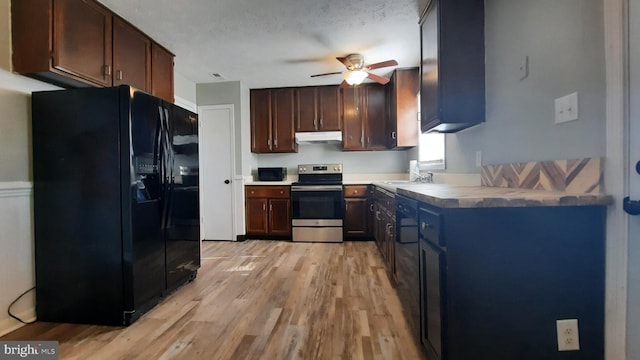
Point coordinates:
[(320, 169)]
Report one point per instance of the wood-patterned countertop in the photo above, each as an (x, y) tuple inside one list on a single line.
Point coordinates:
[(452, 196)]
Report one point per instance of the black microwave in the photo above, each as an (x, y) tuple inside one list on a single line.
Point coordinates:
[(272, 173)]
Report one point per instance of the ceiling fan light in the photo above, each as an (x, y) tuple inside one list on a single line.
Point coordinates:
[(354, 77)]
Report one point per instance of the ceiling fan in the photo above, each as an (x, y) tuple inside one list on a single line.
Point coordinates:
[(357, 71)]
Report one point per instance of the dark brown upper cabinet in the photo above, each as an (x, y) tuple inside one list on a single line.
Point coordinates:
[(131, 56), (452, 87), (79, 43), (272, 121), (402, 105), (364, 112), (66, 42), (161, 72), (318, 109)]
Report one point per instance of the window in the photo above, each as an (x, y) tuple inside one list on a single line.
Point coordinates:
[(431, 151)]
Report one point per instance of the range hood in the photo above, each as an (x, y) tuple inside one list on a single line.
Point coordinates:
[(319, 137)]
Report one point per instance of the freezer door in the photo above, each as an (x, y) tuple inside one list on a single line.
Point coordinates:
[(145, 246), (183, 221)]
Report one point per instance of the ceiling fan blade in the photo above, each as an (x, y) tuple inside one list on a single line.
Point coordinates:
[(331, 73), (382, 64), (378, 79), (344, 84), (344, 61)]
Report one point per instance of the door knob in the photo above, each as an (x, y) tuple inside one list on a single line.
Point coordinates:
[(227, 181)]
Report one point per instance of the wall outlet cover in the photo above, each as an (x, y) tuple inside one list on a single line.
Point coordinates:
[(568, 339)]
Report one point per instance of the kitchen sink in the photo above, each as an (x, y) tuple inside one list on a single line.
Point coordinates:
[(402, 182)]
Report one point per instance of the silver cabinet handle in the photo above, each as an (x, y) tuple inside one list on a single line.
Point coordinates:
[(315, 123), (264, 206), (270, 207), (119, 75), (321, 126), (106, 70)]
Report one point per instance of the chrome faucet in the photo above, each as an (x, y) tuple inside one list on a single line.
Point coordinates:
[(425, 178)]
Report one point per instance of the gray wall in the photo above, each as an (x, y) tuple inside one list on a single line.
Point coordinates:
[(564, 41), (231, 92), (633, 295), (354, 162), (184, 87)]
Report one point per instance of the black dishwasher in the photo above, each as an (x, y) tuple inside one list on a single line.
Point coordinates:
[(407, 254)]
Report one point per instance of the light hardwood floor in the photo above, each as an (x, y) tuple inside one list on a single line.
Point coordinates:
[(259, 299)]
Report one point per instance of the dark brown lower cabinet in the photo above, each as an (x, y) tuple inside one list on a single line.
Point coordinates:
[(268, 210), (356, 212), (385, 227)]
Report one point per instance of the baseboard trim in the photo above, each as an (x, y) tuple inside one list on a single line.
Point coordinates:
[(9, 324), (15, 188)]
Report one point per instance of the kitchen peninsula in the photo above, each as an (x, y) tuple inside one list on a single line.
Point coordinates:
[(499, 266)]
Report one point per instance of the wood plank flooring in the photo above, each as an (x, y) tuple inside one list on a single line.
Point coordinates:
[(259, 299)]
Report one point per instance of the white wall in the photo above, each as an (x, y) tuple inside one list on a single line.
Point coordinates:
[(17, 273), (564, 41)]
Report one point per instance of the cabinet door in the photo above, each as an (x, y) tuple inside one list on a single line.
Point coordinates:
[(391, 247), (82, 40), (261, 121), (161, 73), (329, 108), (403, 131), (356, 217), (257, 220), (352, 127), (280, 217), (374, 113), (283, 120), (306, 109), (131, 56)]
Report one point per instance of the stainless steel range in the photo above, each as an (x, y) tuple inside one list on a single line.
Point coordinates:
[(317, 203)]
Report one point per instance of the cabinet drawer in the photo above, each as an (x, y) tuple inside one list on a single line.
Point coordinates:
[(386, 198), (356, 190), (430, 223), (267, 191)]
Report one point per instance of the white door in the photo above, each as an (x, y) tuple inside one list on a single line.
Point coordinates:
[(217, 207)]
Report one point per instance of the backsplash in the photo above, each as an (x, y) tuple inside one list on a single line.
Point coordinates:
[(575, 176)]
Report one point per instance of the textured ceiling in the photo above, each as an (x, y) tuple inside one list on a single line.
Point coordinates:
[(273, 43)]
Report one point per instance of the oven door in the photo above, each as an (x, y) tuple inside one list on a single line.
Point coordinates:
[(318, 202)]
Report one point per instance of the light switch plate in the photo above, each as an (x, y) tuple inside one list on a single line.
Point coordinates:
[(566, 108)]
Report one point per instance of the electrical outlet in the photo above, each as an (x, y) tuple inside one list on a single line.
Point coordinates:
[(568, 338)]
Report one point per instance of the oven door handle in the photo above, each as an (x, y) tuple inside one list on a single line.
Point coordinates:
[(317, 188)]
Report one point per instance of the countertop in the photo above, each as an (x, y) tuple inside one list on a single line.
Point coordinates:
[(459, 196), (453, 196)]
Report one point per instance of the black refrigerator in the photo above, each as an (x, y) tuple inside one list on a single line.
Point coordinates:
[(116, 203)]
